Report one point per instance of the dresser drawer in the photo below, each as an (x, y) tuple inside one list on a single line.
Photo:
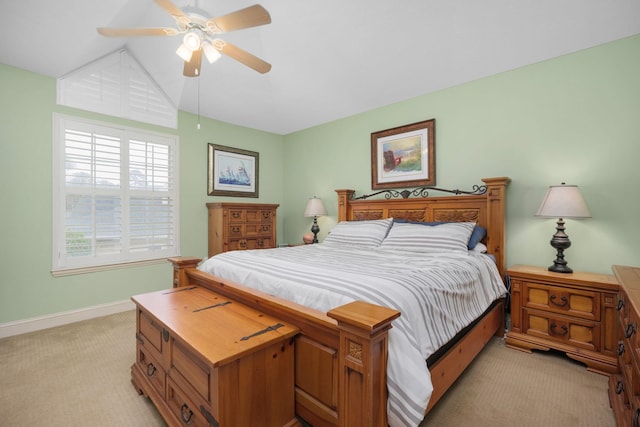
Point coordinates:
[(185, 410), (237, 215), (150, 334), (563, 329), (152, 369), (257, 243), (573, 302), (195, 371), (249, 230)]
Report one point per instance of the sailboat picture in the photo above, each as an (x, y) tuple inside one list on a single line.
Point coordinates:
[(232, 172)]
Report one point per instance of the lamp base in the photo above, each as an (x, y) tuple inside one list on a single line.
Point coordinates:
[(559, 268), (560, 241), (315, 229)]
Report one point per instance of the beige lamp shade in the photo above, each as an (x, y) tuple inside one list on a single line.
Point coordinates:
[(563, 201), (315, 208)]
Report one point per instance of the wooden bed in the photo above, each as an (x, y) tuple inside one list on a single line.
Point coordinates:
[(340, 356)]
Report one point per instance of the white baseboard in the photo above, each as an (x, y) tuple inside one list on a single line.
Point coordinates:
[(57, 319)]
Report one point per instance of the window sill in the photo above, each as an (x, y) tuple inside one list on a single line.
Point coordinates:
[(82, 270)]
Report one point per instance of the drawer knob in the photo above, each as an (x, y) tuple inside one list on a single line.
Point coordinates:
[(151, 370), (559, 304), (619, 387), (620, 304), (563, 327), (186, 413), (621, 348), (630, 330)]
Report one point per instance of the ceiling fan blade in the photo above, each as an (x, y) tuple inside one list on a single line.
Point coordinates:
[(251, 16), (192, 67), (130, 32), (170, 7), (245, 57)]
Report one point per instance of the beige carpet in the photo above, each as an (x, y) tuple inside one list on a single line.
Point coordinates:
[(78, 375)]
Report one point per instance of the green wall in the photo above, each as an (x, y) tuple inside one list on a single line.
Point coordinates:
[(27, 288), (574, 119)]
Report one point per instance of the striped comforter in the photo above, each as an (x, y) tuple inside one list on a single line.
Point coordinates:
[(438, 295)]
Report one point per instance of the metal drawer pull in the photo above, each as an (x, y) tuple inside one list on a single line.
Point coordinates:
[(620, 304), (139, 338), (151, 370), (631, 329), (563, 327), (620, 348), (186, 413), (619, 387), (563, 299), (636, 418)]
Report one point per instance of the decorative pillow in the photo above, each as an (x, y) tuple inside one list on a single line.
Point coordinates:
[(447, 237), (369, 233), (476, 236)]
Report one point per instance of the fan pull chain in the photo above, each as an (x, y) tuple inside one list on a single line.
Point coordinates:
[(198, 126)]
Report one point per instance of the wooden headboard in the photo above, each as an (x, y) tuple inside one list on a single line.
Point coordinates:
[(486, 209)]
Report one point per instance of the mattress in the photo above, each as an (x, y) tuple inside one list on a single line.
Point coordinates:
[(438, 295)]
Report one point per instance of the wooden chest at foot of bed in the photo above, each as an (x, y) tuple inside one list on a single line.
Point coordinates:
[(205, 360)]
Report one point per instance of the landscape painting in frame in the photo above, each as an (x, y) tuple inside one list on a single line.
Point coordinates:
[(404, 156), (232, 172)]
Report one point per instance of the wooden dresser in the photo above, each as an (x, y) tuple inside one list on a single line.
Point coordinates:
[(573, 313), (205, 360), (624, 386), (237, 226)]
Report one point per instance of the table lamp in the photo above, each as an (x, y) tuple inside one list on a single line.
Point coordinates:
[(562, 201), (314, 209)]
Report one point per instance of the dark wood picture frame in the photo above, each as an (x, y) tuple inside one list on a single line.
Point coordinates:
[(232, 171), (404, 156)]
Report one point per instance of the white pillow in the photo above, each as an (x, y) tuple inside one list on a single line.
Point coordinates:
[(448, 237), (368, 233)]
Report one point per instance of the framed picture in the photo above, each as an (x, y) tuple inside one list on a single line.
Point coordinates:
[(232, 172), (404, 156)]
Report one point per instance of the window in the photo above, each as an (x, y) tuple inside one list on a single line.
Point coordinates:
[(115, 195), (117, 85)]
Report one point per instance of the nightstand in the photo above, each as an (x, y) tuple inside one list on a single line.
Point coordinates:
[(572, 313)]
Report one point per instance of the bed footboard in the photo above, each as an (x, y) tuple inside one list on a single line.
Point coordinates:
[(340, 356)]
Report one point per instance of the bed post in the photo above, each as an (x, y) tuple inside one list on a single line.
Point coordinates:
[(362, 363), (180, 266), (343, 203), (496, 189)]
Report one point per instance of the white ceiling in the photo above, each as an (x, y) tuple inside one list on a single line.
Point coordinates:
[(331, 58)]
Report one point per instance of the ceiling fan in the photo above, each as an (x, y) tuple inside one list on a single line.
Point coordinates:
[(200, 33)]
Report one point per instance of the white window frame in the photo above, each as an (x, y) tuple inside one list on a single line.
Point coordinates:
[(65, 265)]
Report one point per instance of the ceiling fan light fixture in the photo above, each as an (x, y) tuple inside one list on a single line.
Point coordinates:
[(184, 52), (210, 52), (192, 41)]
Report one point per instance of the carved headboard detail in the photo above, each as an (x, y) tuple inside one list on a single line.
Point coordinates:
[(487, 209)]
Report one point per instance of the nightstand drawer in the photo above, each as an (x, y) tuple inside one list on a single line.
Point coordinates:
[(564, 329), (572, 302)]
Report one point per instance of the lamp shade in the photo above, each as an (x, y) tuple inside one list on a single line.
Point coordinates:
[(315, 207), (563, 201)]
